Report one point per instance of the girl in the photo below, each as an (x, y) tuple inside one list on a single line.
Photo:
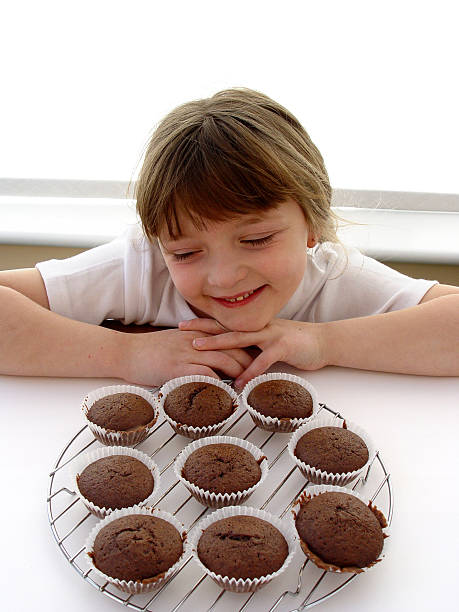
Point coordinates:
[(238, 249)]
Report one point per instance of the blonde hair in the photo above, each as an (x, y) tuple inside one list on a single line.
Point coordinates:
[(234, 153)]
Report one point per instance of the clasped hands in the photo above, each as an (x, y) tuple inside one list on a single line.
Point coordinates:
[(294, 342)]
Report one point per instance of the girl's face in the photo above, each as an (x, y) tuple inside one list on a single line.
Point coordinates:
[(243, 271)]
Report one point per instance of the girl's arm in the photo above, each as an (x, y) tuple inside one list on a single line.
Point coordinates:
[(37, 342), (423, 339)]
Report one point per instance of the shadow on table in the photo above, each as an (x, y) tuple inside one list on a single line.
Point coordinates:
[(131, 329)]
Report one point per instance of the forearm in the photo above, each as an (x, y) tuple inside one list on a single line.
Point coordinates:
[(423, 339), (37, 342)]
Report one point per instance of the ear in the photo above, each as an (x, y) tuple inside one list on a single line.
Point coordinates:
[(311, 241)]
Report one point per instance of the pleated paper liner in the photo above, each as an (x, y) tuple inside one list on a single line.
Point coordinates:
[(321, 476), (315, 490), (188, 430), (119, 438), (135, 587), (284, 425), (219, 500), (240, 585), (108, 451)]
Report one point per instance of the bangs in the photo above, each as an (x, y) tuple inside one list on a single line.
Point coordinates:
[(236, 153), (218, 176)]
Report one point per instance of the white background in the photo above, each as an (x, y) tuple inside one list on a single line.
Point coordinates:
[(375, 83)]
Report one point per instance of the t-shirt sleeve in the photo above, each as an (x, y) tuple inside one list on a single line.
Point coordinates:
[(90, 286), (358, 286)]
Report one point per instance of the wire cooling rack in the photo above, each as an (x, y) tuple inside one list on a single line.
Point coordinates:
[(300, 587)]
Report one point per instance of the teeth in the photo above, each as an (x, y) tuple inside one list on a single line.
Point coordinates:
[(240, 298)]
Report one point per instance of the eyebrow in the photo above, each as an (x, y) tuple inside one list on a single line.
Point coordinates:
[(251, 219), (248, 219)]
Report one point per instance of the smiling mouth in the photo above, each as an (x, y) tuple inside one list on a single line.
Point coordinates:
[(241, 299)]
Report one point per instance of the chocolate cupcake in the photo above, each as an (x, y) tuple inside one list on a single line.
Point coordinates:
[(221, 470), (197, 406), (116, 477), (338, 531), (136, 549), (280, 402), (120, 415), (243, 548), (331, 451)]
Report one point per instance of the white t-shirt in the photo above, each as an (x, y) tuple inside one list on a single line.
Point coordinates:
[(127, 279)]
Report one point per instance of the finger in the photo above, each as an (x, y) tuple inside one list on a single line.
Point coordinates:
[(228, 340), (257, 367), (202, 370), (221, 361), (241, 356), (210, 326)]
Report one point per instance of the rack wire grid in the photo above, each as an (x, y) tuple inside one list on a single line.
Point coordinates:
[(301, 586)]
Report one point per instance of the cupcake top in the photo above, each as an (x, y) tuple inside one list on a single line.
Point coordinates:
[(222, 468), (198, 404), (340, 530), (116, 481), (332, 449), (121, 412), (281, 399), (242, 547), (136, 547)]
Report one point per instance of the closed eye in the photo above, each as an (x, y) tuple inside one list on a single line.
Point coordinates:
[(259, 241), (183, 256)]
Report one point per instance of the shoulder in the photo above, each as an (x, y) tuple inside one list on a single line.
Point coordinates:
[(137, 246), (330, 258), (345, 263), (129, 250), (353, 284)]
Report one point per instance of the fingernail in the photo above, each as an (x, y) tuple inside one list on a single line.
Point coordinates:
[(198, 342), (238, 384)]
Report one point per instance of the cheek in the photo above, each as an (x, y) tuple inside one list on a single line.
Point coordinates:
[(289, 269), (186, 282)]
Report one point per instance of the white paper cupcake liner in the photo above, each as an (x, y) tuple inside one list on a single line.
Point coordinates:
[(321, 476), (132, 586), (240, 585), (219, 500), (122, 438), (274, 424), (317, 490), (107, 451), (188, 430)]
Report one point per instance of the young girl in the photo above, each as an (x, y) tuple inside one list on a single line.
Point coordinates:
[(238, 249)]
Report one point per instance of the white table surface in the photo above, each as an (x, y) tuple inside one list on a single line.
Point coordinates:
[(413, 420)]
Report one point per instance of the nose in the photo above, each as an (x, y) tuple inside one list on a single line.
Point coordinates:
[(226, 271)]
